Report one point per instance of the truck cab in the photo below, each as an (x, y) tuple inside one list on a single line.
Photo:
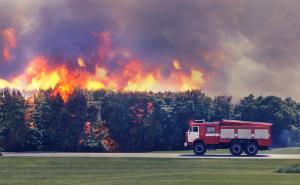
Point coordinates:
[(237, 136)]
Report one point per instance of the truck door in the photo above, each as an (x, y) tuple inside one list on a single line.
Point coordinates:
[(211, 134), (193, 133)]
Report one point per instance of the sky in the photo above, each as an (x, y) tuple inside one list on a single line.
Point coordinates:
[(240, 46)]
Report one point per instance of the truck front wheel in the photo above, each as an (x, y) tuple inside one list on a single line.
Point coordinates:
[(199, 148), (236, 149), (251, 149)]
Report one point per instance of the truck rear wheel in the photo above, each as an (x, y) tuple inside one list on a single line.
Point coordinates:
[(199, 148), (251, 149), (236, 149)]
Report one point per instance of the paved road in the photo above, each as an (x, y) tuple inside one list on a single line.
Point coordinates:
[(152, 155)]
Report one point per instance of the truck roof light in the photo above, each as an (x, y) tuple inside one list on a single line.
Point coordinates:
[(199, 121)]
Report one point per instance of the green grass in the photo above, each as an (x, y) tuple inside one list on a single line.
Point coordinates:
[(131, 171), (289, 150)]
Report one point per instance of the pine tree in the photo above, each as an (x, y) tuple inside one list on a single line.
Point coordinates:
[(77, 107), (12, 124), (33, 135)]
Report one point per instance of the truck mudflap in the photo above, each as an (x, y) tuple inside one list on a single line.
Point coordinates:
[(264, 148)]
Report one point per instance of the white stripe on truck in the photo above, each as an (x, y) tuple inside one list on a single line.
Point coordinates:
[(212, 134)]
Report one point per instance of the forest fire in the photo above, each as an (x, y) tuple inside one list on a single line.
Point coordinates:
[(128, 74)]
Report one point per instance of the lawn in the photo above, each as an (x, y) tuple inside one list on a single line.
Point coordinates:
[(289, 150), (131, 171)]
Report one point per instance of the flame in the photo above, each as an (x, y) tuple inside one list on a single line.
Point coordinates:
[(176, 64), (9, 39), (4, 84), (81, 62), (193, 81), (129, 75)]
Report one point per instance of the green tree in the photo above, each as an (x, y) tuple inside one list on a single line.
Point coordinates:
[(282, 113), (12, 124), (77, 107), (222, 108), (54, 119)]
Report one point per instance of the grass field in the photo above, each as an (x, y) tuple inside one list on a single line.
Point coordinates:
[(130, 171), (289, 150)]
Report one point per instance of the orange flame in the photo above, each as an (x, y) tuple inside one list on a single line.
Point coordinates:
[(176, 64), (9, 38), (132, 76), (81, 62)]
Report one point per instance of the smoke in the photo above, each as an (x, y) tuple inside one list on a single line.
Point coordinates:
[(240, 46), (288, 138)]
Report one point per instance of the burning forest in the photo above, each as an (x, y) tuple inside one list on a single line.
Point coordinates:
[(115, 74), (94, 72)]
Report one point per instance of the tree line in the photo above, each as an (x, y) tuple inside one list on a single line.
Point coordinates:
[(130, 121)]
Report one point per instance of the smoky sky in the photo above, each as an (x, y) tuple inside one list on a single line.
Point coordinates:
[(242, 46)]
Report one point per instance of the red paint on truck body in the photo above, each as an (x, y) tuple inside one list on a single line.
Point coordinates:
[(214, 138)]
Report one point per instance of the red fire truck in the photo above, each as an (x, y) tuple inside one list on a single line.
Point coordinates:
[(237, 136)]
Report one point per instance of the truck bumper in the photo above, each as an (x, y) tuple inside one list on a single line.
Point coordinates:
[(188, 144)]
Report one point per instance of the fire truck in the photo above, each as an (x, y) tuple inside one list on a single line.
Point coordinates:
[(237, 136)]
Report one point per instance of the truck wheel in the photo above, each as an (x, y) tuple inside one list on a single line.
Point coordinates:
[(236, 149), (251, 149), (199, 148)]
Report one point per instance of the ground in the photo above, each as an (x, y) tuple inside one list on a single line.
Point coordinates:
[(287, 150), (148, 171), (290, 150)]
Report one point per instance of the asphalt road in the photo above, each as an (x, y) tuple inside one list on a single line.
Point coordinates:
[(151, 155)]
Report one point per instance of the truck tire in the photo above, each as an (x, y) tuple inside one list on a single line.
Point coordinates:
[(236, 149), (251, 149), (199, 148)]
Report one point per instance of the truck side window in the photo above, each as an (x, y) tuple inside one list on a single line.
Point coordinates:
[(195, 129), (210, 130)]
